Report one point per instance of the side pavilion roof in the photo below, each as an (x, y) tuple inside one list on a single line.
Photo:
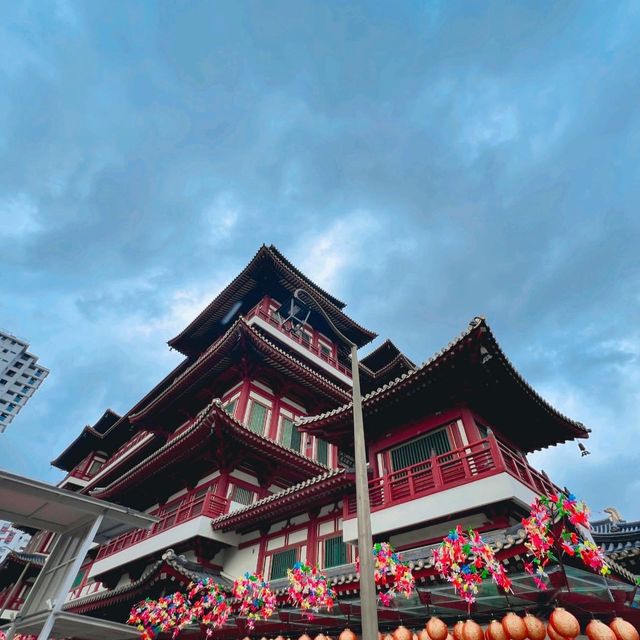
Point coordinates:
[(472, 370)]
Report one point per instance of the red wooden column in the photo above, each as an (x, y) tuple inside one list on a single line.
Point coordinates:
[(272, 431), (218, 503), (243, 400)]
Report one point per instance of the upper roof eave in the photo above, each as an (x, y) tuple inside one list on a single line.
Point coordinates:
[(240, 326), (477, 325), (331, 305)]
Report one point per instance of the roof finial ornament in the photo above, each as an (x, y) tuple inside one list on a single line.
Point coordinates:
[(614, 517)]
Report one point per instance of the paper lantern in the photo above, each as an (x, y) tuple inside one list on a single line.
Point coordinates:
[(495, 631), (279, 638), (514, 626), (564, 623), (424, 635), (554, 635), (597, 630), (347, 634), (389, 636), (472, 631), (414, 636), (320, 636), (624, 630), (457, 630), (535, 627), (305, 636), (402, 633), (437, 629)]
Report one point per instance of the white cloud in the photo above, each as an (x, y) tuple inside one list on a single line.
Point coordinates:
[(18, 217)]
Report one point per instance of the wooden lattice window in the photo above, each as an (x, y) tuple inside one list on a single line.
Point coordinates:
[(282, 561), (291, 437), (322, 451), (432, 444), (257, 417), (230, 407), (335, 552)]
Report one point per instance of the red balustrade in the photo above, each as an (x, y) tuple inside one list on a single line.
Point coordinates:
[(199, 502), (13, 604), (257, 311), (458, 467)]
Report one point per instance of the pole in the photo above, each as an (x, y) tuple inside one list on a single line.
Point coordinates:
[(368, 600)]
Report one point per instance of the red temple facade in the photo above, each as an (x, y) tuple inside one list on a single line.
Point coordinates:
[(240, 452)]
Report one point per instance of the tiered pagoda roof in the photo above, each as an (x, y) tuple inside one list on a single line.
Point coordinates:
[(471, 370), (297, 499), (172, 570), (90, 439), (382, 365), (267, 270), (221, 356), (218, 437)]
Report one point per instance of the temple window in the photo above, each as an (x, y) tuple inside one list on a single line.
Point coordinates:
[(281, 561), (257, 417), (95, 466), (290, 436), (230, 407), (432, 444), (322, 451), (241, 496), (334, 552)]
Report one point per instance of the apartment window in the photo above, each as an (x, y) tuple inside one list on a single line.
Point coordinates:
[(291, 437), (433, 444), (38, 372), (11, 406), (322, 451), (18, 365), (5, 351), (10, 373), (25, 389), (3, 381), (11, 393), (32, 380), (335, 552), (24, 356), (257, 417), (230, 407), (19, 397), (3, 417), (282, 561)]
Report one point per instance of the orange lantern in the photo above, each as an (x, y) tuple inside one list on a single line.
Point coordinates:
[(624, 630), (389, 636), (279, 638), (457, 630), (495, 631), (437, 629), (305, 636), (514, 626), (472, 631), (564, 623), (424, 635), (535, 627), (347, 634), (402, 633), (597, 630), (554, 635), (320, 636)]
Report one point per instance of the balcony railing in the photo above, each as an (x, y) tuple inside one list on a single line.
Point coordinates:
[(192, 505), (14, 604), (258, 312), (461, 466)]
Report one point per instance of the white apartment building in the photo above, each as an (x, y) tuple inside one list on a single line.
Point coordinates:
[(20, 376), (11, 539)]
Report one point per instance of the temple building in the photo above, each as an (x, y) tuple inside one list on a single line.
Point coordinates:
[(244, 453)]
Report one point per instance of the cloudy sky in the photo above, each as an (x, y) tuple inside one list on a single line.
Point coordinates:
[(427, 162)]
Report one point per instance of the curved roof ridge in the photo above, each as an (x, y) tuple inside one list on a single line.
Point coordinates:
[(240, 323)]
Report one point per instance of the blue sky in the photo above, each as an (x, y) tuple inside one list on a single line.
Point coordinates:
[(426, 162)]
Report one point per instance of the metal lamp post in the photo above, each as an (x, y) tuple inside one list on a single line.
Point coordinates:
[(368, 604)]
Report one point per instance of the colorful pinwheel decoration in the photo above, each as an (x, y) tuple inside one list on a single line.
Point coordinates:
[(308, 589), (256, 600), (390, 573), (464, 559), (548, 536)]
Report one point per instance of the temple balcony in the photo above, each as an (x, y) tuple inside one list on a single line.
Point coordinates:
[(478, 474), (306, 345), (181, 519)]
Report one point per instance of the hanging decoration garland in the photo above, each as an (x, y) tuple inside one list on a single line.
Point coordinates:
[(308, 589), (257, 601), (465, 560), (548, 537), (390, 573), (211, 607), (205, 603)]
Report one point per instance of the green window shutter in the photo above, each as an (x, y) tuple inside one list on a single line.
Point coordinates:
[(231, 407), (323, 451), (282, 561), (257, 417), (335, 552), (436, 443), (291, 437)]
